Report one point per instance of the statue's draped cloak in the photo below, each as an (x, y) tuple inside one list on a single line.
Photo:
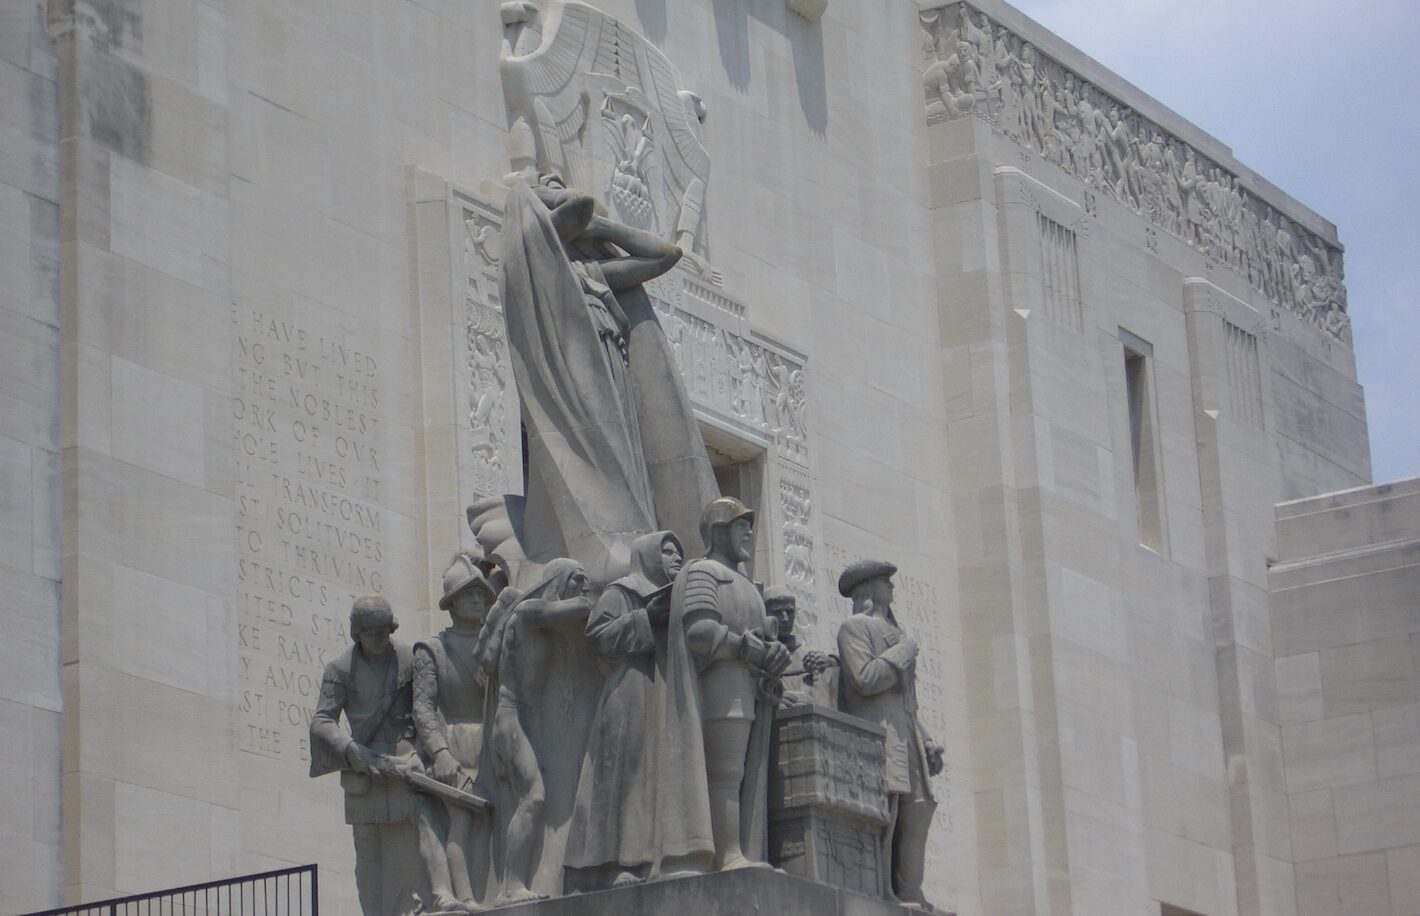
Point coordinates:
[(586, 474), (613, 448), (616, 798)]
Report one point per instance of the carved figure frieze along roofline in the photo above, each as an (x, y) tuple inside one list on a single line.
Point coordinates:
[(974, 66)]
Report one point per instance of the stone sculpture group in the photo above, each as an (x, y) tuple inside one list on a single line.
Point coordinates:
[(976, 67), (447, 756), (600, 710), (573, 730)]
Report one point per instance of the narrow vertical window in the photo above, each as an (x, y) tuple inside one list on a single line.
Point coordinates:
[(1143, 438)]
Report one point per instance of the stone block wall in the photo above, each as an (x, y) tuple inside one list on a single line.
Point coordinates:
[(31, 847), (1346, 626)]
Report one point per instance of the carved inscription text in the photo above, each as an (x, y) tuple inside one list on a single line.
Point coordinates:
[(310, 532)]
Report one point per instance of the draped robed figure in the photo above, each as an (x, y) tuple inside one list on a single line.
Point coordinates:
[(613, 448)]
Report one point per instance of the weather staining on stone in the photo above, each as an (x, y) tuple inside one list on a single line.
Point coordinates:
[(974, 66)]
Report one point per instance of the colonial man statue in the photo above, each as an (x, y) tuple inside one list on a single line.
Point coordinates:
[(371, 683), (878, 662), (722, 672), (812, 676), (449, 700)]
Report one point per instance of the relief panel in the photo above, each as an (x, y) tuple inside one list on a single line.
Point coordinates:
[(975, 67)]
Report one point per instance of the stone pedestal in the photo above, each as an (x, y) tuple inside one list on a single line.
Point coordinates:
[(734, 893), (828, 798)]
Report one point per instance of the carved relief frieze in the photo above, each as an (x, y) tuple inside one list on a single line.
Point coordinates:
[(796, 523), (489, 435), (976, 67), (733, 373)]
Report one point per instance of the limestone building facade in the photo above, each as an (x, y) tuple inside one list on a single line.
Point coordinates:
[(955, 295)]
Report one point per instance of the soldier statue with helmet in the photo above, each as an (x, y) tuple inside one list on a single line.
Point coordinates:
[(449, 709), (723, 669), (395, 827)]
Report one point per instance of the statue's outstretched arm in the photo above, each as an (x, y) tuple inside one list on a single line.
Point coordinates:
[(648, 255)]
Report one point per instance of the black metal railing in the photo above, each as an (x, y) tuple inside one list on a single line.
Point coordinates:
[(284, 892)]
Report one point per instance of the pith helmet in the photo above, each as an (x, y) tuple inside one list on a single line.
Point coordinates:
[(862, 571), (721, 512), (461, 575)]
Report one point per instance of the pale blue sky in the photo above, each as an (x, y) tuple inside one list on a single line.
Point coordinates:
[(1321, 98)]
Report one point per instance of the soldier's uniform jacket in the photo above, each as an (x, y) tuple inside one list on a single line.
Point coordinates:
[(379, 711), (878, 683)]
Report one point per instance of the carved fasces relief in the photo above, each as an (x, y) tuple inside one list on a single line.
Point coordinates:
[(489, 438), (566, 65), (974, 66)]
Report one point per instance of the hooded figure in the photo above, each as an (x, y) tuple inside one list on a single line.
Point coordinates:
[(612, 841)]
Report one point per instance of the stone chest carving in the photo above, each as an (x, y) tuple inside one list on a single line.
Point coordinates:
[(828, 798)]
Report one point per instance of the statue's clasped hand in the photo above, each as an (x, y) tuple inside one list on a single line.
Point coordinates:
[(815, 664), (766, 654), (361, 759), (934, 754), (446, 768)]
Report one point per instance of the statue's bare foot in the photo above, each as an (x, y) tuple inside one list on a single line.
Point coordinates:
[(446, 903), (626, 879), (518, 895)]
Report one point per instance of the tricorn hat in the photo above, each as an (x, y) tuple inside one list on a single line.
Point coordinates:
[(722, 511), (461, 575), (858, 573)]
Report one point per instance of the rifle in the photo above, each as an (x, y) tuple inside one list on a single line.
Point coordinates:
[(461, 795)]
